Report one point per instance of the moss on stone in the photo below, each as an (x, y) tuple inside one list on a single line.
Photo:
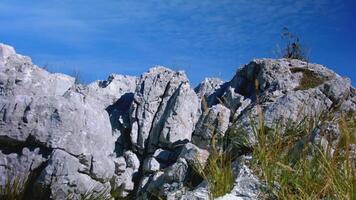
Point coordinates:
[(310, 79)]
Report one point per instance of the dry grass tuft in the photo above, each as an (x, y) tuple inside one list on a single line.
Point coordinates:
[(14, 189), (309, 80), (297, 169), (218, 171)]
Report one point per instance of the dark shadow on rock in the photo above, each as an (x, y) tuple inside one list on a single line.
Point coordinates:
[(120, 122), (9, 145), (215, 98)]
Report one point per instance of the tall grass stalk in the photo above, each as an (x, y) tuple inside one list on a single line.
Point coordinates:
[(218, 171), (14, 189)]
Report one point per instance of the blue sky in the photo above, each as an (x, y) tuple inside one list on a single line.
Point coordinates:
[(204, 38)]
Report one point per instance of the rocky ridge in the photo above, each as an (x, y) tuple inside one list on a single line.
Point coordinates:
[(139, 137)]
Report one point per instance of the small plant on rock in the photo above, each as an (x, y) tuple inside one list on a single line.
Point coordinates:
[(293, 48), (310, 79)]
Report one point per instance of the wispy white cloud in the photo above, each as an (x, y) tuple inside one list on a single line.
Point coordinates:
[(234, 21), (223, 31)]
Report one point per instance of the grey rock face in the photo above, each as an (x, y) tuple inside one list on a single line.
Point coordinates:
[(208, 87), (49, 121), (164, 111), (350, 104), (337, 89), (201, 192), (282, 94), (235, 102), (66, 176), (132, 160), (165, 184), (193, 155), (123, 184), (246, 186), (109, 91), (115, 95), (5, 52), (209, 92), (212, 123), (272, 75), (20, 165), (44, 110), (151, 165), (126, 169)]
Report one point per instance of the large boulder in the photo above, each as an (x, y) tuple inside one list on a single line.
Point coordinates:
[(212, 123), (164, 111), (284, 91), (68, 176)]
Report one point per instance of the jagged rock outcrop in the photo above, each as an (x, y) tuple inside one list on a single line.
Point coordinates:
[(208, 86), (164, 111), (109, 91), (285, 90), (115, 95), (48, 111), (141, 138), (213, 122)]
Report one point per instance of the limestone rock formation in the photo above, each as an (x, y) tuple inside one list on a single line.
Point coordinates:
[(45, 111), (164, 111), (285, 90), (141, 138), (208, 87)]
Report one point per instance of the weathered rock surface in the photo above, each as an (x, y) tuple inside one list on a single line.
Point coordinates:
[(20, 164), (213, 122), (111, 90), (164, 111), (246, 186), (194, 155), (48, 111), (283, 94), (208, 87), (115, 95), (65, 175), (140, 138), (166, 184)]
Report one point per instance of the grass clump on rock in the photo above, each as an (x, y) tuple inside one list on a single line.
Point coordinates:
[(309, 79), (14, 189), (217, 171), (292, 167)]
